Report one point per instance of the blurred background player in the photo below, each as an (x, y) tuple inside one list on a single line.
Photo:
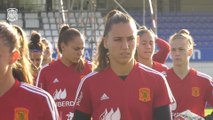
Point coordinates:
[(62, 77), (191, 88), (146, 49), (36, 49), (163, 47), (47, 57)]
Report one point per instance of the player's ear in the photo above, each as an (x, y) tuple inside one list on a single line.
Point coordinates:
[(62, 46), (190, 52), (14, 56), (105, 42), (137, 40)]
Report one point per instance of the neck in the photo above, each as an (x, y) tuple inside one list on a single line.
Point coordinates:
[(122, 69), (147, 62), (181, 71), (6, 82), (65, 62)]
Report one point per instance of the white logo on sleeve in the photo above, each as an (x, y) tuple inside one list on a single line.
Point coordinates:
[(111, 115), (104, 97), (60, 94)]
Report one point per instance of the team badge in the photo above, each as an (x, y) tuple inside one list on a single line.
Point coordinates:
[(195, 91), (21, 114), (12, 14), (144, 94)]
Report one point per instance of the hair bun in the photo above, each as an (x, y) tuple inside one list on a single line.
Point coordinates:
[(184, 31), (35, 37), (142, 28), (64, 27)]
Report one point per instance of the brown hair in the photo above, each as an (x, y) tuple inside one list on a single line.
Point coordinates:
[(35, 42), (143, 30), (67, 34), (113, 17)]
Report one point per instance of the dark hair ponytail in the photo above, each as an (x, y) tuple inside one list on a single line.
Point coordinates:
[(64, 28), (102, 59)]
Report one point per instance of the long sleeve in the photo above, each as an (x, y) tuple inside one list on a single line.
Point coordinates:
[(162, 54)]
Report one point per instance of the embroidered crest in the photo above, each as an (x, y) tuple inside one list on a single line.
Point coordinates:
[(12, 14), (21, 114), (144, 94), (195, 91)]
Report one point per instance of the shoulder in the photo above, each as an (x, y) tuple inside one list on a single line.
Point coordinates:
[(36, 93), (151, 74), (159, 66), (92, 78), (85, 80), (41, 98), (45, 69), (52, 65), (203, 76), (149, 71), (169, 71), (89, 76), (89, 64)]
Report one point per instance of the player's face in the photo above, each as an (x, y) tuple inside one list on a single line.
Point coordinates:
[(180, 51), (121, 43), (36, 58), (73, 51), (47, 53), (5, 58), (146, 47)]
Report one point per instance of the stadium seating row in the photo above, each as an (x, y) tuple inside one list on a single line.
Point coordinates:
[(48, 23), (200, 25)]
